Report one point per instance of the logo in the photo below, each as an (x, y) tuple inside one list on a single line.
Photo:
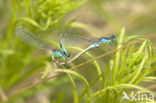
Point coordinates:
[(143, 97)]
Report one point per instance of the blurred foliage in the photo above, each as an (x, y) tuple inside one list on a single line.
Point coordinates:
[(16, 60), (21, 65), (136, 16)]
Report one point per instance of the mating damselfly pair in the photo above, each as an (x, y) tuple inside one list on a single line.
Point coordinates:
[(33, 40)]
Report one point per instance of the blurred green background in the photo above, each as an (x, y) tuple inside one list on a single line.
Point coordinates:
[(22, 65)]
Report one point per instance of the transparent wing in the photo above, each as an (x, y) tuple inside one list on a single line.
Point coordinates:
[(75, 40), (31, 39)]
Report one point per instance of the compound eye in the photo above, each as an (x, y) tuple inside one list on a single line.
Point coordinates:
[(113, 36), (68, 55)]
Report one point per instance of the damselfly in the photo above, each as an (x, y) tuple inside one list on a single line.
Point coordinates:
[(94, 42), (31, 39)]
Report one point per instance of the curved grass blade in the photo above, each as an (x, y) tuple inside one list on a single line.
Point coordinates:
[(77, 75), (75, 94)]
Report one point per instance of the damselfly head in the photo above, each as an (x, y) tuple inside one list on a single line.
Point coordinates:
[(113, 37), (68, 55)]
